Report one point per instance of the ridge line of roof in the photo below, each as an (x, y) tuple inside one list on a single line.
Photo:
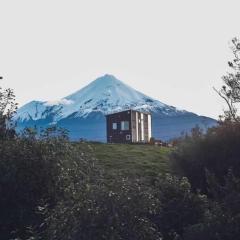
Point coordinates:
[(128, 110)]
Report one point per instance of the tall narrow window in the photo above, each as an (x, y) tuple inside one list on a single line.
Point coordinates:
[(114, 126), (125, 125)]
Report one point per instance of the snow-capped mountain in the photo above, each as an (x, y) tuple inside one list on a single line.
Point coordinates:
[(105, 95)]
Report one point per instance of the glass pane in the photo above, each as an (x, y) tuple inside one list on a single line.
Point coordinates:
[(124, 125)]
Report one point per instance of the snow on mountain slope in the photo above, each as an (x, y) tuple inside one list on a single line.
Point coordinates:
[(82, 113), (31, 110), (106, 94)]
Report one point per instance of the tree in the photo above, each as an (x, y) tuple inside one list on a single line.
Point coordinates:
[(8, 107), (230, 91)]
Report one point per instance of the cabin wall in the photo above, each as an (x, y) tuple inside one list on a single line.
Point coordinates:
[(118, 135), (139, 127)]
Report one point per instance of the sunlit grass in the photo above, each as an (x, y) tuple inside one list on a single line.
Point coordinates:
[(132, 160)]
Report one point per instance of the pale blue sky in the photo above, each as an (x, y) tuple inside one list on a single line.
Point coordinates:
[(174, 51)]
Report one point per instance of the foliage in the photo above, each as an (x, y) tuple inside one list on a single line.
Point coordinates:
[(52, 188), (178, 207), (230, 91), (102, 213), (216, 151), (222, 218), (129, 209), (55, 189), (36, 172), (211, 163), (7, 108)]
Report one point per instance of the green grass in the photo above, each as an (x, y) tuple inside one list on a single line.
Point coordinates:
[(132, 160)]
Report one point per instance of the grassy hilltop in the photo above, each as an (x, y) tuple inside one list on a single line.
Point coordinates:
[(132, 160)]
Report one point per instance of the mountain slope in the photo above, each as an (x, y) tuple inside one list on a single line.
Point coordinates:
[(82, 112)]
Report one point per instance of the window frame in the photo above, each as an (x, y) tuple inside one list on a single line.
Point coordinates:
[(123, 126), (114, 126)]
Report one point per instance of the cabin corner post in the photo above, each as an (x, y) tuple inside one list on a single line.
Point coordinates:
[(131, 115), (149, 127)]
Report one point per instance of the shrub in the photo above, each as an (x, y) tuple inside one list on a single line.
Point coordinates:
[(128, 209), (36, 172), (216, 151), (101, 212), (222, 217), (179, 207)]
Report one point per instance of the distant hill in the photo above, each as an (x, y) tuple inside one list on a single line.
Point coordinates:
[(83, 112)]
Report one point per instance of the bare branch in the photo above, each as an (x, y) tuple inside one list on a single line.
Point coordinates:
[(230, 105)]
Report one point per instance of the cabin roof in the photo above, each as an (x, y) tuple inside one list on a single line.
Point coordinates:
[(127, 111)]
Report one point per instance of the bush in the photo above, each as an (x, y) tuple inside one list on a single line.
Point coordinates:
[(211, 162), (36, 172), (216, 151), (222, 217), (179, 207), (99, 213), (129, 209), (53, 189)]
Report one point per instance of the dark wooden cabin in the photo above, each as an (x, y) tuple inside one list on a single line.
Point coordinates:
[(129, 127)]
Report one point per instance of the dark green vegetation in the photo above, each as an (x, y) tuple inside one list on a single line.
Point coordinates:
[(54, 189), (211, 162), (217, 152), (7, 108)]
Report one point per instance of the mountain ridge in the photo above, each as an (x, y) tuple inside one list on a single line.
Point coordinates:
[(106, 94), (102, 96)]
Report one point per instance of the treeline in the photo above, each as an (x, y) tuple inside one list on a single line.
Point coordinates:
[(52, 188)]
